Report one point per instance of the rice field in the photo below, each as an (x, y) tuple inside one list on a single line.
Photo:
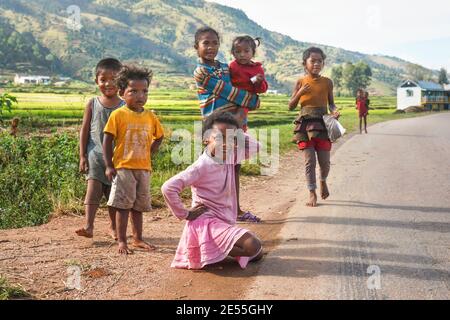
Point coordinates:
[(171, 105), (178, 109)]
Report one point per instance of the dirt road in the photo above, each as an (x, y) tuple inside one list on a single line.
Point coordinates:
[(42, 259), (384, 233)]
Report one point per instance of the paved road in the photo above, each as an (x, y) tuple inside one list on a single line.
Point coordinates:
[(389, 213)]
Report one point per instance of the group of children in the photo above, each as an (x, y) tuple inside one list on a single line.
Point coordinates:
[(119, 137)]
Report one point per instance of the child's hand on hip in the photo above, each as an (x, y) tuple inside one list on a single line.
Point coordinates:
[(196, 212), (110, 173), (84, 166)]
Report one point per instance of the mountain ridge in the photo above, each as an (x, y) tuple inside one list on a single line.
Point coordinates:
[(159, 34)]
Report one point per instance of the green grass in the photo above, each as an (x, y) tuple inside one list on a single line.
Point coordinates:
[(39, 170), (38, 177), (10, 292)]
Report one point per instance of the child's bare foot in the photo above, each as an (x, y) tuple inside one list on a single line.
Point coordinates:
[(123, 249), (312, 199), (140, 244), (366, 131), (325, 193), (85, 233), (113, 233)]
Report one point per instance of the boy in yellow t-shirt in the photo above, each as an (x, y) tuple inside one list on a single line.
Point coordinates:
[(137, 134)]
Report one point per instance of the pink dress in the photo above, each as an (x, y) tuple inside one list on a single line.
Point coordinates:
[(210, 238)]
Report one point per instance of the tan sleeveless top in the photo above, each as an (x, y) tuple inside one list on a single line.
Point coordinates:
[(321, 88)]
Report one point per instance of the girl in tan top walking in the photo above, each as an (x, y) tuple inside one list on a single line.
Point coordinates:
[(315, 95)]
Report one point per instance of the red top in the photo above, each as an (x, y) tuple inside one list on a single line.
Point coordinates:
[(241, 75), (361, 105)]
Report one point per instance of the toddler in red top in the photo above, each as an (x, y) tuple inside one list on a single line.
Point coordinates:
[(245, 73)]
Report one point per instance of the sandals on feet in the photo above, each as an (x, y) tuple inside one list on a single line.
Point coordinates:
[(249, 217)]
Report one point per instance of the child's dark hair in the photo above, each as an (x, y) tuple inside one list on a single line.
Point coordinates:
[(131, 72), (253, 43), (219, 117), (204, 30), (312, 50), (107, 64)]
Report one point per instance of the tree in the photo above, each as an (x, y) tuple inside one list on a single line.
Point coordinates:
[(363, 74), (348, 77), (6, 103), (51, 61), (443, 79), (337, 73), (356, 76)]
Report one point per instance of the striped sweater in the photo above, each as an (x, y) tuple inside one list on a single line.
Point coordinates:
[(216, 91)]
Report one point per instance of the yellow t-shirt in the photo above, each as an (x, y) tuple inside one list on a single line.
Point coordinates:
[(134, 134)]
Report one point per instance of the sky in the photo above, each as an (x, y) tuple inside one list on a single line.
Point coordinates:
[(414, 30)]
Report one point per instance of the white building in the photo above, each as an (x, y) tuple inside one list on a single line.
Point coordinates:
[(20, 79), (426, 94)]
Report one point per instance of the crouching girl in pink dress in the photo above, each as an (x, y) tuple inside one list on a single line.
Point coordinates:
[(210, 234)]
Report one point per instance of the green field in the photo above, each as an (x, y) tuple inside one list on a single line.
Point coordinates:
[(178, 109), (39, 170)]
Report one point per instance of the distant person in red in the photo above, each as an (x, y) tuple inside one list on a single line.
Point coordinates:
[(362, 105), (245, 73), (367, 101)]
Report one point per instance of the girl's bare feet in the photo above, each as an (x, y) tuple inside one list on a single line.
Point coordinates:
[(123, 249), (85, 233), (325, 193), (312, 199), (140, 244)]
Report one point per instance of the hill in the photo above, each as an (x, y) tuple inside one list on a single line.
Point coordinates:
[(24, 52), (160, 35)]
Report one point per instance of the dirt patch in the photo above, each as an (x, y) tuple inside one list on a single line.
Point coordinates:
[(42, 259)]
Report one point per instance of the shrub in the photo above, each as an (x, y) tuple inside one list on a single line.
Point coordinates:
[(38, 176), (6, 103), (8, 292)]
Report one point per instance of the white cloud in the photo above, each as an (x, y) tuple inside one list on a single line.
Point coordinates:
[(361, 25)]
